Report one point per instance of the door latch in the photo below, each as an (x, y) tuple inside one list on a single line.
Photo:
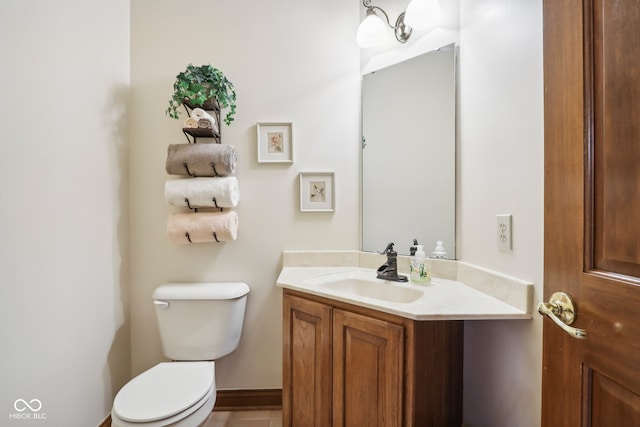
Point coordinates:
[(561, 310)]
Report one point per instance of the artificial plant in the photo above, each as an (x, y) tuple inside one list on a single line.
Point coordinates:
[(198, 84)]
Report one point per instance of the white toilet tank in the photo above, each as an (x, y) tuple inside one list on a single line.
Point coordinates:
[(200, 321)]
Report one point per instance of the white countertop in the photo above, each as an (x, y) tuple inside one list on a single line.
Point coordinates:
[(442, 299)]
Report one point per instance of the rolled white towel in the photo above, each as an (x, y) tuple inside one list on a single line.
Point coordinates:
[(191, 123), (221, 192), (199, 113)]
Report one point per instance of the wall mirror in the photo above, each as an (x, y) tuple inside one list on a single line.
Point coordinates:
[(408, 153)]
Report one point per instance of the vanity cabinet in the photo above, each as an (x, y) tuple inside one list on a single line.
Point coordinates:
[(350, 366)]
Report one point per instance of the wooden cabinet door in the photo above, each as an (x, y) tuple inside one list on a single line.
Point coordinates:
[(367, 371), (592, 211), (306, 394)]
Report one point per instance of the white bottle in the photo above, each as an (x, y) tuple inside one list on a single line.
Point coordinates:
[(439, 251), (420, 270)]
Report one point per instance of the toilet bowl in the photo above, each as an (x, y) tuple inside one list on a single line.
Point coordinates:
[(171, 393), (198, 323)]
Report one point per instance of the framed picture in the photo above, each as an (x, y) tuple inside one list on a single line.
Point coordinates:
[(317, 193), (275, 144)]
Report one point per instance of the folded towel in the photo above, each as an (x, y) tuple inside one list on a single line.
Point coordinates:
[(199, 227), (191, 123), (210, 121), (201, 159), (202, 192)]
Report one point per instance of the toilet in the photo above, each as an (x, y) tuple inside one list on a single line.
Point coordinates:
[(198, 323)]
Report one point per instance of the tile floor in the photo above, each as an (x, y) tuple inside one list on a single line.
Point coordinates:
[(262, 418)]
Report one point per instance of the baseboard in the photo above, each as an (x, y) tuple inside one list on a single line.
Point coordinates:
[(106, 422), (245, 400)]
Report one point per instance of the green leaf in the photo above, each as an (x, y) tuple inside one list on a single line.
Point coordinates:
[(198, 84)]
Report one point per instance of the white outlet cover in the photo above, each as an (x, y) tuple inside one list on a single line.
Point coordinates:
[(503, 232)]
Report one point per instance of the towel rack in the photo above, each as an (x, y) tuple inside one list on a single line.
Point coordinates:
[(196, 133), (213, 199), (192, 135), (213, 166), (186, 167), (186, 234)]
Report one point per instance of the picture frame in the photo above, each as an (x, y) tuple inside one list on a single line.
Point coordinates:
[(317, 192), (275, 142)]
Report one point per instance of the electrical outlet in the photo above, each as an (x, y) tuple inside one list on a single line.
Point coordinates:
[(504, 232)]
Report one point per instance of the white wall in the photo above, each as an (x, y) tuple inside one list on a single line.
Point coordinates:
[(501, 171), (290, 61), (63, 172)]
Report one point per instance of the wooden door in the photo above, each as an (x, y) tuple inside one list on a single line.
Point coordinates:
[(306, 399), (592, 211), (367, 371)]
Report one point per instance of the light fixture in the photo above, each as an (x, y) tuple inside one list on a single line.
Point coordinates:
[(372, 31), (423, 14)]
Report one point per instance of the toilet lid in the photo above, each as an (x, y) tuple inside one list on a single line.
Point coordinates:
[(164, 390)]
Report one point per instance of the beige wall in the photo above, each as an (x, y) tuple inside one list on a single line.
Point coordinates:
[(290, 61), (64, 77), (70, 205), (501, 171)]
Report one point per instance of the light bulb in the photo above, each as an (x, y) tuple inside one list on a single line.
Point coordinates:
[(423, 14), (372, 31)]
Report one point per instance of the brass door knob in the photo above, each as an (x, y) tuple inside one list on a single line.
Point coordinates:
[(561, 310)]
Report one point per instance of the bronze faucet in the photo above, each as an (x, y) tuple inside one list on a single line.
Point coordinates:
[(389, 270)]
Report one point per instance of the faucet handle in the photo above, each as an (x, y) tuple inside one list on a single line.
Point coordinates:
[(413, 248), (389, 250)]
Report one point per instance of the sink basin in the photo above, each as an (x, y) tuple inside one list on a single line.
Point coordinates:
[(380, 291), (358, 284)]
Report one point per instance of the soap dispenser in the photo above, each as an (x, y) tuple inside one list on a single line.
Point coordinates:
[(420, 270), (439, 251)]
